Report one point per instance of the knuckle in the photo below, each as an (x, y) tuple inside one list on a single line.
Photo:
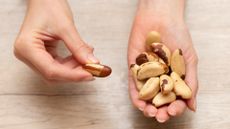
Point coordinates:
[(19, 45), (49, 74), (65, 28)]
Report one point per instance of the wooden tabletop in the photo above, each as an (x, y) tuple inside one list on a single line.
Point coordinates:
[(27, 102)]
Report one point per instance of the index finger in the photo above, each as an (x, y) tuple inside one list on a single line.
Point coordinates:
[(53, 70)]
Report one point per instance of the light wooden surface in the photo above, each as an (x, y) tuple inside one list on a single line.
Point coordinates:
[(26, 102)]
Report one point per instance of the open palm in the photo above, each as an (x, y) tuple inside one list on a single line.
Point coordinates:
[(175, 35)]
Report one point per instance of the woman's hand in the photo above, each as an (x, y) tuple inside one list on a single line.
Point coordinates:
[(166, 17), (45, 23)]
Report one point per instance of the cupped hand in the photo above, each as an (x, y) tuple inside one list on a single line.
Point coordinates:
[(47, 22), (175, 35)]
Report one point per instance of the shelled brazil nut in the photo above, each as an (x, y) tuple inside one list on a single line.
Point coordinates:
[(146, 57), (162, 99), (152, 37), (177, 63), (151, 69), (159, 73), (98, 70), (150, 88), (166, 84), (139, 84)]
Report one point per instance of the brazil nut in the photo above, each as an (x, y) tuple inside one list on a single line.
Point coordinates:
[(160, 99), (98, 70), (150, 88), (151, 69), (166, 84), (180, 87), (152, 37), (134, 68), (162, 51), (146, 57)]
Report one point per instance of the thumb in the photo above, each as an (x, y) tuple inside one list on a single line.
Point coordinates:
[(80, 50), (192, 81)]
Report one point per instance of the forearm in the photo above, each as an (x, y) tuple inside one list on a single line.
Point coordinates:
[(169, 8)]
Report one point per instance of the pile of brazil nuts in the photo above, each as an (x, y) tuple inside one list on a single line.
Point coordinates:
[(98, 70), (159, 74)]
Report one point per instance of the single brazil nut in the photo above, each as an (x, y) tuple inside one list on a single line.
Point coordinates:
[(152, 37), (175, 77), (139, 84), (161, 99), (151, 69), (150, 88), (162, 51), (98, 70), (166, 84), (146, 57), (178, 63), (182, 89)]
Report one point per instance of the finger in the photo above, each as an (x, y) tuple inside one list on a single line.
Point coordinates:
[(56, 79), (134, 95), (66, 74), (51, 47), (53, 70), (176, 108), (69, 62), (192, 81), (162, 114), (80, 50), (150, 110)]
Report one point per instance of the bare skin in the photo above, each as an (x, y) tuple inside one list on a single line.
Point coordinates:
[(47, 22), (166, 17)]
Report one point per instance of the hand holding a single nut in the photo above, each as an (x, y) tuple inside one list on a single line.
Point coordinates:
[(47, 22), (165, 17)]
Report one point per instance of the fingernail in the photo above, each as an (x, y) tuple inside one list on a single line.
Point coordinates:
[(141, 109), (161, 120), (92, 58), (89, 79), (172, 112), (151, 114), (194, 106)]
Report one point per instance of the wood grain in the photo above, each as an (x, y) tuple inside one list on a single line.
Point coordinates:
[(26, 102)]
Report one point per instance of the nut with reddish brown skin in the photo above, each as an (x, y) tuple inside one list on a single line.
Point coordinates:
[(166, 84), (161, 99), (150, 89), (178, 63), (152, 37), (146, 57), (142, 58), (98, 70), (152, 56), (162, 51), (151, 69), (139, 84)]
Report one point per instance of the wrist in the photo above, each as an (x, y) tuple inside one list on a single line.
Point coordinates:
[(44, 2), (163, 9)]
